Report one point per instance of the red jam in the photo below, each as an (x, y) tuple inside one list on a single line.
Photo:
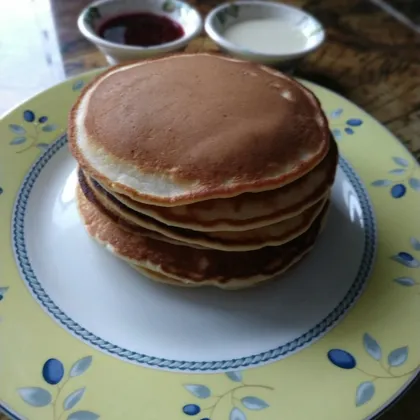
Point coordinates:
[(140, 29)]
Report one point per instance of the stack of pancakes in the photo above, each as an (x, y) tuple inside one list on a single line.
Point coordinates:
[(202, 170)]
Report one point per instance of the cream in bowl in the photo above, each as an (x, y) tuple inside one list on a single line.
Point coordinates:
[(266, 32), (133, 29)]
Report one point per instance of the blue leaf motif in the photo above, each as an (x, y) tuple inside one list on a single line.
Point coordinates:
[(72, 399), (50, 127), (42, 146), (28, 115), (372, 347), (43, 119), (254, 403), (354, 122), (415, 243), (78, 84), (200, 391), (405, 281), (3, 291), (81, 366), (406, 259), (381, 183), (337, 133), (336, 113), (400, 161), (237, 414), (398, 356), (235, 376), (414, 183), (82, 415), (349, 130), (18, 140), (17, 129), (397, 171), (34, 396), (364, 393)]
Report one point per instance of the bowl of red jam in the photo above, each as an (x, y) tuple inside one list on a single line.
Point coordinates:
[(125, 30)]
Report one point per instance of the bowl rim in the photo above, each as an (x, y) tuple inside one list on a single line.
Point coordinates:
[(219, 39), (92, 36)]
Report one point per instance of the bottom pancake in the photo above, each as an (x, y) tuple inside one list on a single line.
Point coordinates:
[(161, 278), (194, 266), (229, 285)]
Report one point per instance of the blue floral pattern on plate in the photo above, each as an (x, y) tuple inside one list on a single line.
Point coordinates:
[(408, 260), (395, 358), (53, 373), (238, 405), (3, 291), (29, 133), (399, 178), (338, 128)]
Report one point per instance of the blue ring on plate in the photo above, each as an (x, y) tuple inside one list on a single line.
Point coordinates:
[(184, 365)]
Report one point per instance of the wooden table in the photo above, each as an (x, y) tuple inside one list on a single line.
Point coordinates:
[(372, 56)]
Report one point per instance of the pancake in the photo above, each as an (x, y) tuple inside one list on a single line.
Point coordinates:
[(273, 235), (191, 127), (249, 210), (190, 265), (161, 278)]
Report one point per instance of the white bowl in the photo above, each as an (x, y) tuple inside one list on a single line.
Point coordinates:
[(93, 16), (224, 16)]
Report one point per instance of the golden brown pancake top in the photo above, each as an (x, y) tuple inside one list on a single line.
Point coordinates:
[(208, 119)]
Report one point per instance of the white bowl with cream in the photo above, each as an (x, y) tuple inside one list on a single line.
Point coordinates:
[(264, 31)]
